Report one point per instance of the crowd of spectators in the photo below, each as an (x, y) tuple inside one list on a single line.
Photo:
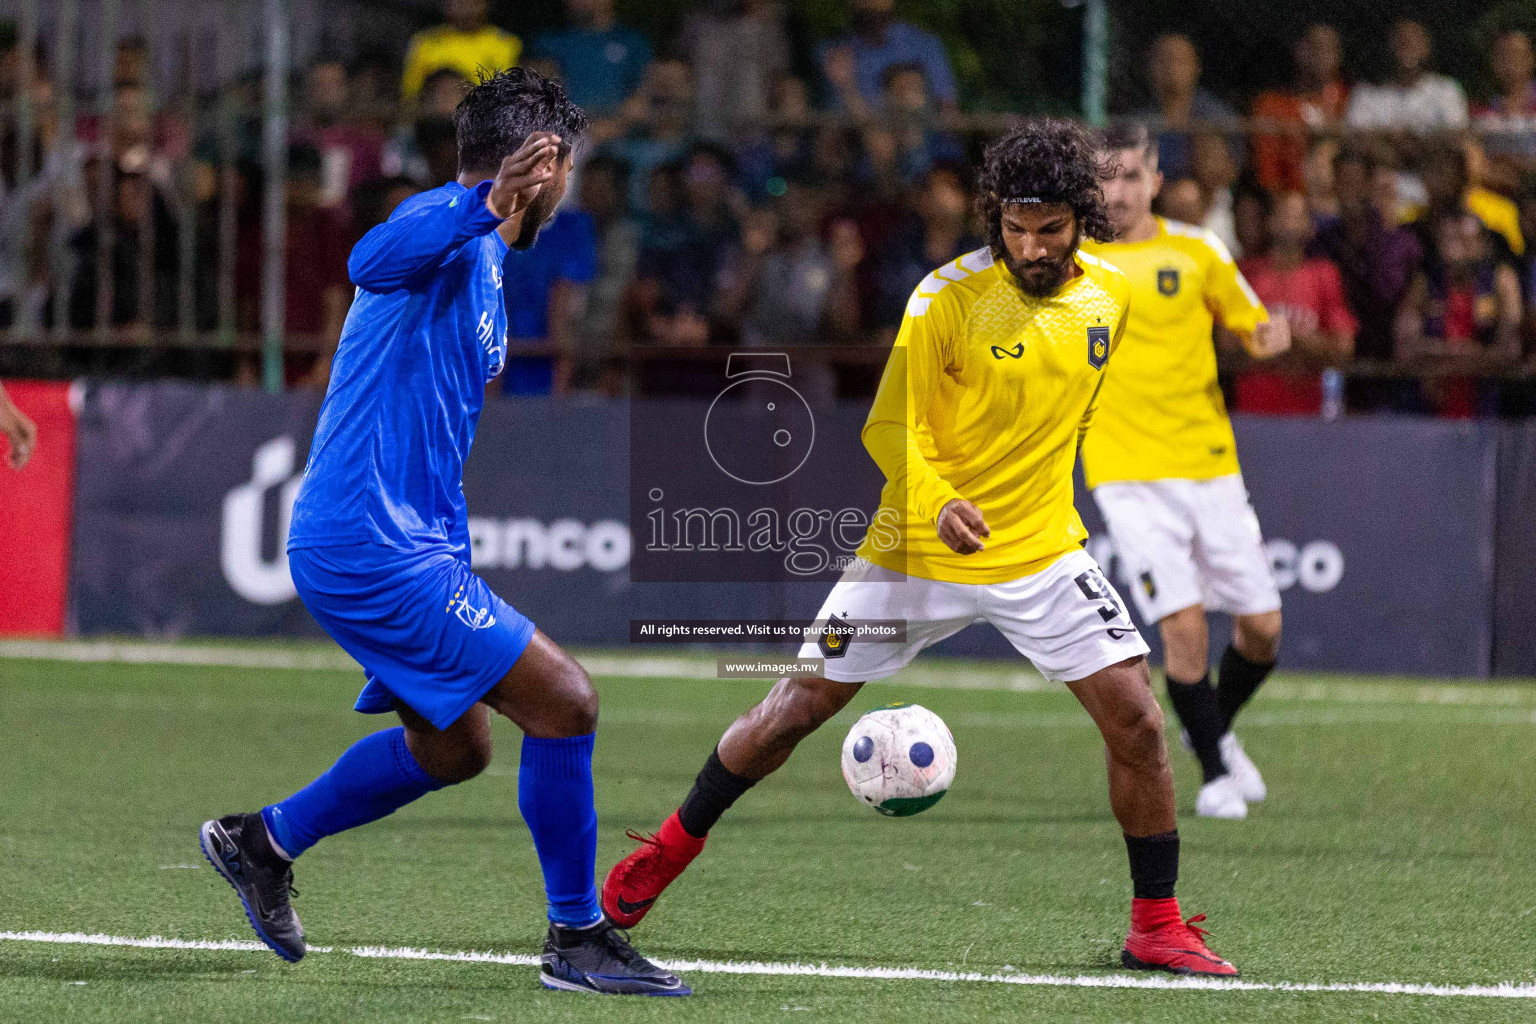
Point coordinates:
[(727, 197)]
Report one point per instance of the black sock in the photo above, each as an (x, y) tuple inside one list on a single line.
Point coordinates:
[(1195, 704), (716, 788), (1154, 864), (1240, 679)]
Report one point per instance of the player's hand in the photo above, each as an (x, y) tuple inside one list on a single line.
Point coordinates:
[(19, 431), (962, 527), (523, 173), (1271, 338)]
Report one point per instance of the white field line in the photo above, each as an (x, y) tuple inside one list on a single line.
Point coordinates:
[(1505, 990), (939, 673)]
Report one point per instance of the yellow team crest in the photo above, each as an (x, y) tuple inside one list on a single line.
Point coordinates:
[(1098, 347)]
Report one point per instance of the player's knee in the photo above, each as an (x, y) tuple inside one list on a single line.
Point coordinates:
[(802, 709), (1140, 741), (451, 759), (573, 700), (1257, 637)]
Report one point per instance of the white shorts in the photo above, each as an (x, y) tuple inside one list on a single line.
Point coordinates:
[(1067, 619), (1189, 542)]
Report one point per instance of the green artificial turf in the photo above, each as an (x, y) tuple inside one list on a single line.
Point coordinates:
[(1396, 846)]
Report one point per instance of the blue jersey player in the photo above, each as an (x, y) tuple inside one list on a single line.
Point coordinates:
[(379, 551)]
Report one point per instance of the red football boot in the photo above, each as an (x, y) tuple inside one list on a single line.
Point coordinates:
[(1160, 940), (634, 883)]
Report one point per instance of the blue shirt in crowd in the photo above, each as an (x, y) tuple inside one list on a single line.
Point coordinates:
[(566, 251), (426, 331), (903, 44), (599, 69)]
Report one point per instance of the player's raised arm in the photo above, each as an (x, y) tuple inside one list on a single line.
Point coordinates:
[(906, 389), (418, 238)]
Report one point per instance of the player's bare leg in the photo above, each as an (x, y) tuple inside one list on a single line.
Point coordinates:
[(1121, 703), (753, 747)]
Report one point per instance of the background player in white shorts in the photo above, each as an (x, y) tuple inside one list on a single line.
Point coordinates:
[(1162, 464), (976, 424)]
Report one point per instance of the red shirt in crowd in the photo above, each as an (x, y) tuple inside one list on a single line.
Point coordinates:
[(1312, 298), (1279, 159)]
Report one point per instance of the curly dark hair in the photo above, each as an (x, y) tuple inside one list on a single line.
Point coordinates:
[(1046, 160), (496, 116)]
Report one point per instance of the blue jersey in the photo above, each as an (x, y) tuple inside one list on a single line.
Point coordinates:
[(426, 332)]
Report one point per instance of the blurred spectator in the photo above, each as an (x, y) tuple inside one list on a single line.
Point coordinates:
[(738, 50), (544, 288), (1448, 188), (376, 199), (1181, 200), (782, 147), (1416, 99), (662, 128), (130, 66), (935, 231), (902, 145), (600, 333), (1376, 258), (1214, 173), (315, 286), (854, 65), (785, 286), (1309, 292), (1462, 312), (1250, 216), (426, 151), (1315, 102), (1507, 121), (600, 61), (420, 150), (1317, 179), (351, 149), (1180, 102), (467, 44), (134, 208)]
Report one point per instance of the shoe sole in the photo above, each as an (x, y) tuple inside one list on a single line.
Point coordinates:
[(561, 985), (1131, 961), (205, 841)]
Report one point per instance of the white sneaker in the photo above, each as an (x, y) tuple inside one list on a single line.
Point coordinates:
[(1241, 768), (1221, 798)]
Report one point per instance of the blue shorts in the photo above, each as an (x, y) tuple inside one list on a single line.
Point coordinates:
[(428, 632)]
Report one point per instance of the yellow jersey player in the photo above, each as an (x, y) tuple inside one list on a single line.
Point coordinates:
[(1162, 465), (976, 425)]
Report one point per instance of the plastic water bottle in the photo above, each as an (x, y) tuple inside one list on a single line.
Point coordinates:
[(1333, 393)]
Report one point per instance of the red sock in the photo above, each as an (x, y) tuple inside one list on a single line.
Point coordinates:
[(1148, 915), (676, 840)]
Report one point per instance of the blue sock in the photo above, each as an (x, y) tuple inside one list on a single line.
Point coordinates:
[(376, 776), (554, 793)]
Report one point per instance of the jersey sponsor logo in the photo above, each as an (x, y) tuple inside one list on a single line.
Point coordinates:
[(1168, 281), (1098, 347), (1014, 353)]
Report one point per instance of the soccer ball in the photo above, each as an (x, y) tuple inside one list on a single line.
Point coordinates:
[(899, 759)]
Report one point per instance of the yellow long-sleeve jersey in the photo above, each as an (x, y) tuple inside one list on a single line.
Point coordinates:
[(985, 397), (1161, 414)]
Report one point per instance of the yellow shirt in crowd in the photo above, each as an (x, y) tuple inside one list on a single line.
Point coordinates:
[(1161, 414), (984, 397), (487, 48)]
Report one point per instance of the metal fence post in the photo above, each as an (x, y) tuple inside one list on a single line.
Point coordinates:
[(275, 160)]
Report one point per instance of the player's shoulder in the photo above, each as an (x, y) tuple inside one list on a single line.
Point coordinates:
[(450, 193), (1196, 240), (1109, 278), (954, 286)]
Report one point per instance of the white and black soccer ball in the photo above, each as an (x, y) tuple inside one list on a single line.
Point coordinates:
[(899, 759)]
